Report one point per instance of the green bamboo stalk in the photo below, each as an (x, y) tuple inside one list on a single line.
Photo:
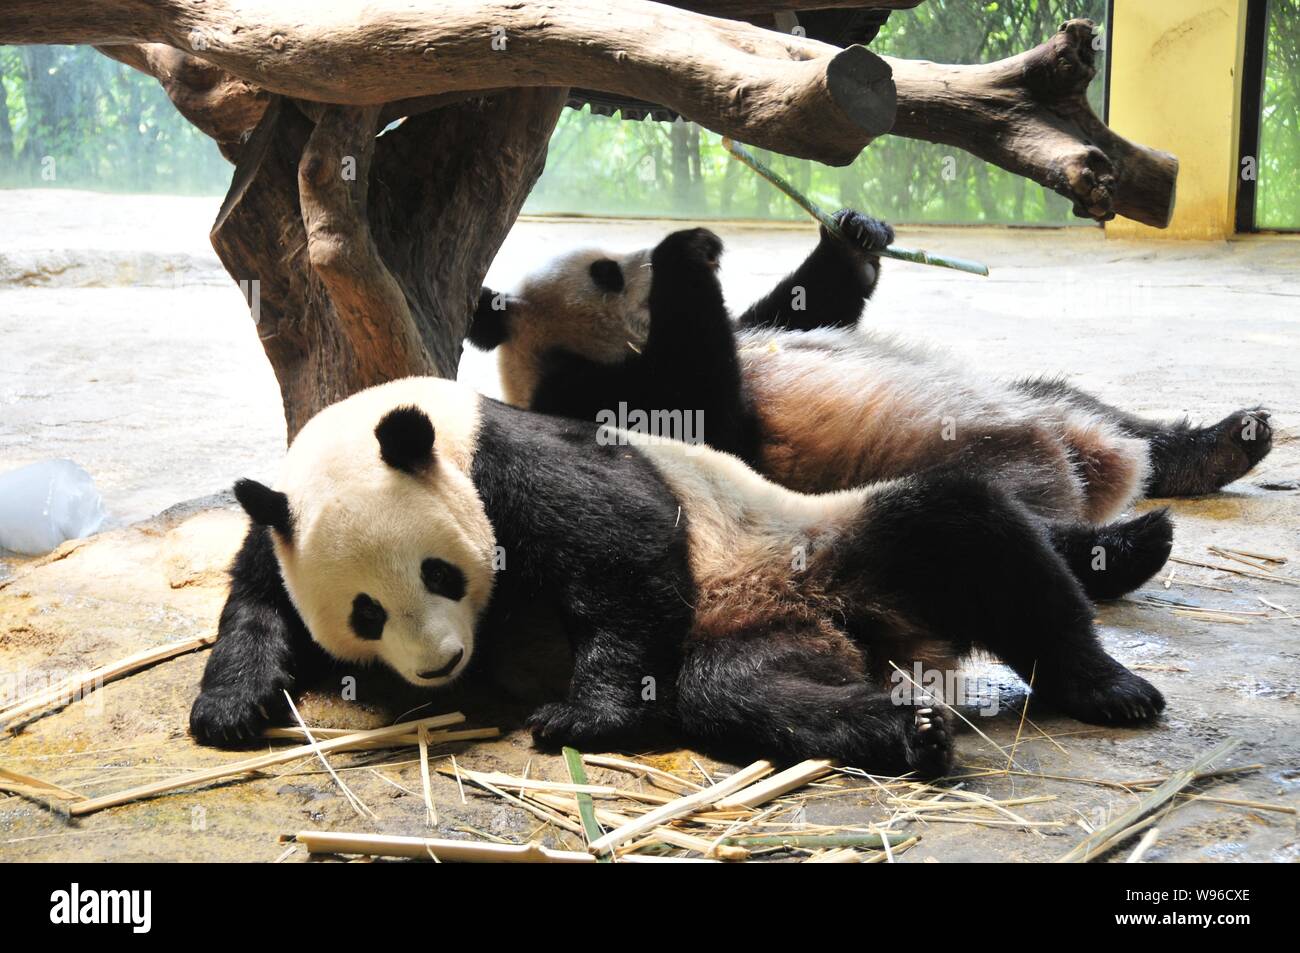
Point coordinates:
[(813, 841), (920, 256), (586, 808)]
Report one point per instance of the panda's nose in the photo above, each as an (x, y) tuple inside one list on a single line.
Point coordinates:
[(446, 669)]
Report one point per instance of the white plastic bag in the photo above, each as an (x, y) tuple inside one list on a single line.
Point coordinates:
[(45, 503)]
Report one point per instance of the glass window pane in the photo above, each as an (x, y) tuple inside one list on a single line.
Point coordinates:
[(1278, 197)]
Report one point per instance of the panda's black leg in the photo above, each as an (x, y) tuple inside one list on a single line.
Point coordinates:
[(1115, 559), (777, 697), (618, 695), (968, 565), (1186, 460), (830, 287), (262, 649)]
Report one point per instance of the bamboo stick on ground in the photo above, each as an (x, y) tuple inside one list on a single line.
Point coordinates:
[(655, 776), (873, 841), (586, 809), (915, 255), (1110, 836), (431, 848), (685, 805), (1143, 846), (17, 783), (426, 783), (398, 741), (248, 765), (69, 689), (837, 855), (664, 833), (769, 789)]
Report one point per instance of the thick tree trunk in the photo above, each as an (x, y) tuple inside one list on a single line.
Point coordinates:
[(353, 281), (1030, 114)]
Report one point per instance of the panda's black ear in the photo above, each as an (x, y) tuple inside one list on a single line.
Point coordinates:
[(607, 274), (265, 506), (405, 438), (490, 325)]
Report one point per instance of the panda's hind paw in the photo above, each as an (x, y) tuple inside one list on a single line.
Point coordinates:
[(930, 741), (583, 726)]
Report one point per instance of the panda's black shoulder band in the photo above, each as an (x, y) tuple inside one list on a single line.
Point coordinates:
[(405, 438)]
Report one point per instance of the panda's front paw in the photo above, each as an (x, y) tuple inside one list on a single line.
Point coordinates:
[(691, 246), (230, 718), (589, 727), (863, 232)]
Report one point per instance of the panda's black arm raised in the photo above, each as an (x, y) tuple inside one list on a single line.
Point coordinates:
[(689, 362), (830, 287), (262, 650)]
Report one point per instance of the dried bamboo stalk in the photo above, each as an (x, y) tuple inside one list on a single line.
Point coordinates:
[(68, 689), (685, 805), (663, 834), (436, 848), (426, 783), (1109, 836), (537, 784), (23, 784), (400, 741), (91, 805), (1143, 846), (655, 776), (837, 855), (772, 788), (874, 841)]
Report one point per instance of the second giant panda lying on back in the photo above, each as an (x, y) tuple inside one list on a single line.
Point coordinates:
[(816, 404), (767, 618)]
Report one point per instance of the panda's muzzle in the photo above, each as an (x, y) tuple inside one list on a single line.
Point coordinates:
[(446, 669)]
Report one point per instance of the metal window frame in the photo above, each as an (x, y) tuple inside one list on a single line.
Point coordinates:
[(1254, 65)]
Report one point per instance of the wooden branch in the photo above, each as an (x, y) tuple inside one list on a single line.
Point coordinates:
[(787, 93), (1030, 114), (333, 182)]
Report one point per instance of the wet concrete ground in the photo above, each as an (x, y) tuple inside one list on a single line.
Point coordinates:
[(124, 348)]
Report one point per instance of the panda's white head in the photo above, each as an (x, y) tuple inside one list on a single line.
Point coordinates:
[(381, 537), (588, 302)]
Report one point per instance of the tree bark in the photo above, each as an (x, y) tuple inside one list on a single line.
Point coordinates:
[(785, 93), (359, 281), (1030, 114)]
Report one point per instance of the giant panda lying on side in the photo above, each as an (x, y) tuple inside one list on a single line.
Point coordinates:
[(767, 618), (817, 404)]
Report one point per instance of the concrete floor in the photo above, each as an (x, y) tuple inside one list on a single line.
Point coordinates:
[(126, 349)]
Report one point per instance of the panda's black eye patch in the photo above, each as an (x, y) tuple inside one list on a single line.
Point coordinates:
[(607, 275), (368, 617), (443, 579)]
